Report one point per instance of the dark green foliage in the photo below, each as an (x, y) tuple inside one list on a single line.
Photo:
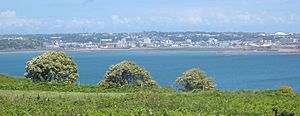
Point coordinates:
[(275, 109), (286, 89), (127, 74), (195, 80), (52, 67), (6, 44)]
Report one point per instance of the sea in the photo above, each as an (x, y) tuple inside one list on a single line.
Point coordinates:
[(251, 71)]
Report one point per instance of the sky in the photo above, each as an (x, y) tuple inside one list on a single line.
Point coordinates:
[(80, 16)]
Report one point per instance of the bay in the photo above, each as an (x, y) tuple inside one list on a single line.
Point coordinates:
[(268, 70)]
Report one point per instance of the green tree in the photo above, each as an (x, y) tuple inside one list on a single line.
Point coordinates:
[(52, 67), (127, 74), (195, 79)]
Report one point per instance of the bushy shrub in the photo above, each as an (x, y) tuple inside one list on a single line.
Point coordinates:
[(286, 89), (127, 74), (195, 80), (52, 67), (275, 109)]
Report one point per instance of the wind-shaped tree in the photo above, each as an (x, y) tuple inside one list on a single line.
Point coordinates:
[(127, 74), (195, 79), (52, 67)]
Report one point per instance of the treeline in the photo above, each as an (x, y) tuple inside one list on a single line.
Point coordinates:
[(57, 67), (13, 44)]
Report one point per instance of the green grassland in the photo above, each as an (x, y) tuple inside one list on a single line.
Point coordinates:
[(10, 83), (23, 97)]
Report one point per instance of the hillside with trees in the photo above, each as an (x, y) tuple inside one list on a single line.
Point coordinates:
[(25, 44)]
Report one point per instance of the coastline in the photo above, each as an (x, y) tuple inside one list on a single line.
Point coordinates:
[(222, 51)]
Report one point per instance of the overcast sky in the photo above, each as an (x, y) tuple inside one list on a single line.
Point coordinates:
[(73, 16)]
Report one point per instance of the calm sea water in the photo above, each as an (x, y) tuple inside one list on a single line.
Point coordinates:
[(231, 72)]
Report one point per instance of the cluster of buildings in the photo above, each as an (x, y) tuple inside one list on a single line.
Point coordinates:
[(12, 38), (167, 41)]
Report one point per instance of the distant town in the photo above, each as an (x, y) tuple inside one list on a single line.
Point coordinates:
[(279, 41)]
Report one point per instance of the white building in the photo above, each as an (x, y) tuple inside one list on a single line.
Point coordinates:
[(188, 40), (168, 41), (147, 40), (212, 40), (280, 34)]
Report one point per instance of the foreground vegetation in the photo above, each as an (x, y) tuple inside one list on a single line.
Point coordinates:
[(24, 97), (10, 83), (141, 103)]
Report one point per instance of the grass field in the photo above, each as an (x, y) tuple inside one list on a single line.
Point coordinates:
[(10, 83), (23, 97)]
